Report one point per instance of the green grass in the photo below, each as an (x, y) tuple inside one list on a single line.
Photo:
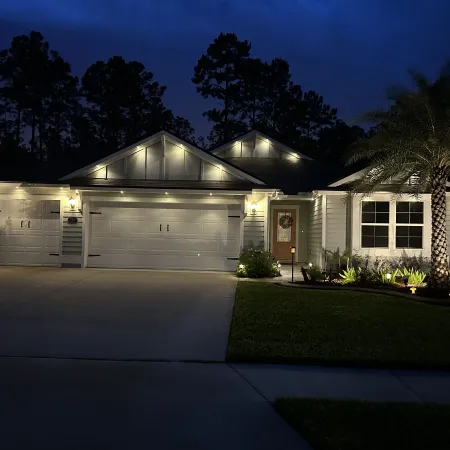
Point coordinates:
[(352, 425), (280, 324)]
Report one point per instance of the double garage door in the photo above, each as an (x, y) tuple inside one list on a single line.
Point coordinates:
[(139, 235), (29, 232)]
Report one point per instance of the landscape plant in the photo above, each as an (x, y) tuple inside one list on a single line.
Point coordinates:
[(257, 264)]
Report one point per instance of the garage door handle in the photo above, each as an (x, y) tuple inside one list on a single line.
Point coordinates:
[(28, 224), (167, 227), (21, 224), (160, 227)]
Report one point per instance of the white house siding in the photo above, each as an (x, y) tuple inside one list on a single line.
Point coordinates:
[(391, 251), (336, 229), (255, 147), (72, 234), (255, 224), (163, 160), (315, 231)]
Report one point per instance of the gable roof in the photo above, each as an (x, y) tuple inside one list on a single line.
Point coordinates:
[(348, 179), (254, 134), (208, 157)]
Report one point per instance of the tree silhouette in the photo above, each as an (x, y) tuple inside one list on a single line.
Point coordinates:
[(39, 91), (218, 76), (124, 102)]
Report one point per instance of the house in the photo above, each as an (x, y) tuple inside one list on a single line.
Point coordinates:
[(164, 203)]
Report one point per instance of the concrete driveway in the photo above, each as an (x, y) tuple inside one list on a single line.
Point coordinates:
[(115, 314)]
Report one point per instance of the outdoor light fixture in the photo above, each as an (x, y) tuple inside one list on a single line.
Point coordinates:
[(210, 193), (388, 276), (279, 265), (292, 263), (254, 207), (413, 290), (121, 192), (167, 193), (310, 264), (73, 203), (241, 266)]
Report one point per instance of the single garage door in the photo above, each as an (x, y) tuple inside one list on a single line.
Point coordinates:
[(29, 232), (198, 237)]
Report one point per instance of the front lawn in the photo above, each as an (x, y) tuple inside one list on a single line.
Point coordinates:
[(280, 324), (353, 425)]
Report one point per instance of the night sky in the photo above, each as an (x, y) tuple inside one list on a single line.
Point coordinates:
[(347, 50)]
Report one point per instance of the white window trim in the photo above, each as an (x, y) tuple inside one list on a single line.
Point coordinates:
[(392, 251), (386, 225), (409, 225)]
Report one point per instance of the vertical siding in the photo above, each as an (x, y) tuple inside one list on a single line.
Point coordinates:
[(254, 224), (315, 232), (336, 236)]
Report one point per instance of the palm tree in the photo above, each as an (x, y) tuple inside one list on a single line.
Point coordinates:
[(411, 145)]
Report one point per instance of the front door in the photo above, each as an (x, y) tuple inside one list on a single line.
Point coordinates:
[(284, 233)]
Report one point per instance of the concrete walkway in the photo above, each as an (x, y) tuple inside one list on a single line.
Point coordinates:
[(49, 403), (274, 381)]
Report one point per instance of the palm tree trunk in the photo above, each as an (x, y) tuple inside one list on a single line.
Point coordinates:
[(439, 253)]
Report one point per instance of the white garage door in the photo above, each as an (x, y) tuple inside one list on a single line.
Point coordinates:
[(29, 232), (201, 237)]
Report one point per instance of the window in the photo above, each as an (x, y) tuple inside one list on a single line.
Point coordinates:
[(375, 221), (409, 235), (283, 234)]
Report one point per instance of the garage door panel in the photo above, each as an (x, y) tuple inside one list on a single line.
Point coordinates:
[(51, 225), (221, 228), (183, 228), (147, 235), (101, 226), (30, 231)]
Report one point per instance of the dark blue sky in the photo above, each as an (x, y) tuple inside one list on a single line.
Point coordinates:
[(347, 50)]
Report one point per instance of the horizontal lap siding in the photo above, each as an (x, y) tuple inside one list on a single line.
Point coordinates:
[(315, 232), (72, 236), (336, 236), (254, 226)]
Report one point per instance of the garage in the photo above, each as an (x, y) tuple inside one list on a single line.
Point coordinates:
[(29, 232), (169, 236)]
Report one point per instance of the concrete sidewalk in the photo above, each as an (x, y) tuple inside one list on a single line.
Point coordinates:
[(273, 381), (50, 403)]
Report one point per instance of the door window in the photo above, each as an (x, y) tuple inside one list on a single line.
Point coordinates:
[(283, 234)]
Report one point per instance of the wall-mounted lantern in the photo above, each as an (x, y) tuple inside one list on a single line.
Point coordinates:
[(254, 206), (73, 202)]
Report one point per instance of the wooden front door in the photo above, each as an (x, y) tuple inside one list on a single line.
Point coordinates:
[(283, 238)]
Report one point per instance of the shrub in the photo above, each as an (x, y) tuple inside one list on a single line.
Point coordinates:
[(384, 275), (257, 264), (349, 276), (415, 277), (418, 263), (315, 273)]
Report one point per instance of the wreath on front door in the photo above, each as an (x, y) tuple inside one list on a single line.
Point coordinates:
[(285, 221)]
